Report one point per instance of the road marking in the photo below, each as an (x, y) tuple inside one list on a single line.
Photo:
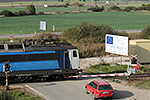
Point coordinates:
[(35, 90)]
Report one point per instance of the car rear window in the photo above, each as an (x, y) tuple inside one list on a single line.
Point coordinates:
[(105, 87)]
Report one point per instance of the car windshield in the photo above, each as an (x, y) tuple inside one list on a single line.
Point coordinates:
[(105, 87)]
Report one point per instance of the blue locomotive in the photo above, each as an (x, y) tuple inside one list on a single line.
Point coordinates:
[(39, 58)]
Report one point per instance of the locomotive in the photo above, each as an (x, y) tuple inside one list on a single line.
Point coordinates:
[(34, 58)]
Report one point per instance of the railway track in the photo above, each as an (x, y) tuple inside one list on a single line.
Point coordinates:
[(142, 76)]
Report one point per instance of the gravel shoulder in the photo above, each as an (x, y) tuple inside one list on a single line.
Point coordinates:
[(123, 89), (86, 62)]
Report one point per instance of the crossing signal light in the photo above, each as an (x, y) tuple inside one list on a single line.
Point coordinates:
[(7, 67), (133, 59)]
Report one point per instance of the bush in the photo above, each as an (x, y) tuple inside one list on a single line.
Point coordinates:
[(20, 13), (116, 8), (143, 4), (129, 8), (85, 30), (148, 7), (96, 9), (41, 13), (31, 8), (89, 38), (146, 33), (67, 4), (142, 8), (57, 12), (52, 6), (62, 6), (58, 6), (81, 5), (6, 13), (27, 11)]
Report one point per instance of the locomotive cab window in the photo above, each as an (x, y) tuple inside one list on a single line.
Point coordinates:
[(66, 53), (74, 53)]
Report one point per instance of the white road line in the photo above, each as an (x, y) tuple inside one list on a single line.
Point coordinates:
[(35, 90)]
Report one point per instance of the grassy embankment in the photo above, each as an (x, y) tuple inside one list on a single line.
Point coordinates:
[(17, 94), (143, 83)]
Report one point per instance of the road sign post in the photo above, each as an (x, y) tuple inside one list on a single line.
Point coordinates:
[(6, 69), (7, 87), (53, 27)]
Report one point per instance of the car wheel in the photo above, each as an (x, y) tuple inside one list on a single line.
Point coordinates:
[(86, 91), (111, 97)]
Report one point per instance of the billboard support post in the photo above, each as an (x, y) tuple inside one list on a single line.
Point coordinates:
[(112, 59), (120, 60)]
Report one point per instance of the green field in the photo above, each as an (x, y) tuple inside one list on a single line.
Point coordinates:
[(117, 20)]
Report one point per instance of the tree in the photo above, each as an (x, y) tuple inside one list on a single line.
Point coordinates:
[(32, 9), (145, 33)]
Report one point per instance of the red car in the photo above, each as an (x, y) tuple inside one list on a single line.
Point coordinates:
[(100, 89)]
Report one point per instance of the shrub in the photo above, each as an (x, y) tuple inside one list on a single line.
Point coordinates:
[(52, 6), (143, 4), (17, 13), (20, 13), (81, 5), (58, 6), (85, 30), (148, 8), (41, 13), (67, 4), (116, 8), (31, 8), (66, 12), (89, 38), (62, 6), (6, 13), (129, 8), (96, 9), (27, 11), (57, 12), (142, 8), (146, 33)]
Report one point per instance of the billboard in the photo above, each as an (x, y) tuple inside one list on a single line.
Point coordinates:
[(116, 44)]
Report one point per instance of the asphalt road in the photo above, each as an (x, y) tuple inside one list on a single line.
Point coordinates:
[(31, 35), (25, 35), (73, 90)]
